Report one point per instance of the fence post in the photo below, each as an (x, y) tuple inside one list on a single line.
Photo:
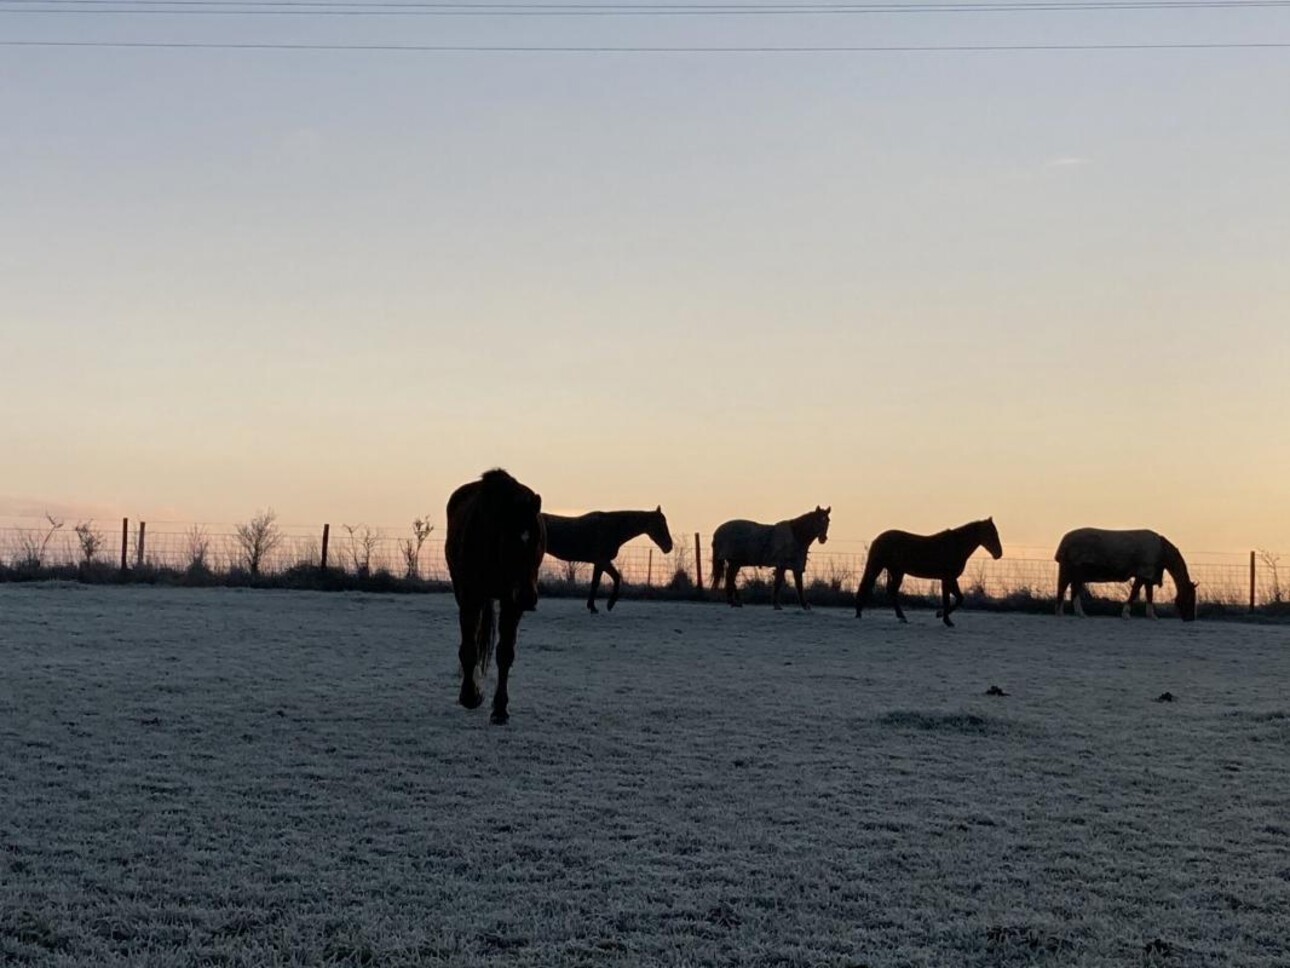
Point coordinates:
[(649, 569), (125, 543), (698, 563), (1251, 581), (143, 526), (326, 535)]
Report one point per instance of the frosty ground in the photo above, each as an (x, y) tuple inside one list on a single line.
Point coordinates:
[(248, 777)]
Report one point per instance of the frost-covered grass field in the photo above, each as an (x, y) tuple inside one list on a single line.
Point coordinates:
[(251, 778)]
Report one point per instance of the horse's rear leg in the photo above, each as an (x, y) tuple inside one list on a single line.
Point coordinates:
[(949, 587), (1077, 598), (776, 585), (1063, 583), (595, 584), (865, 588), (894, 578), (508, 629), (1151, 604), (613, 573), (469, 614), (732, 596), (1127, 610)]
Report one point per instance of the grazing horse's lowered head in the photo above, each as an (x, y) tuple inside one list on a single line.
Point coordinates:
[(658, 531), (495, 544)]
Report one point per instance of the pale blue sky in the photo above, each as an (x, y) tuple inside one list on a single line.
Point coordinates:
[(1049, 286)]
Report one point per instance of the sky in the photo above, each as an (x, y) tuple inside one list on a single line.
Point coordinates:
[(922, 287)]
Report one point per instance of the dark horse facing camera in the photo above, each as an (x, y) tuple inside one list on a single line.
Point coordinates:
[(495, 543)]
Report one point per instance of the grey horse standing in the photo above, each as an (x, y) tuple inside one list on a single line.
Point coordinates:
[(1098, 555), (782, 546)]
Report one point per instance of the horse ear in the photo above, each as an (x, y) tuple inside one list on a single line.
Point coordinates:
[(829, 509), (659, 509)]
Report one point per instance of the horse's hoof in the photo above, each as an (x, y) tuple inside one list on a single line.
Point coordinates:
[(472, 699), (500, 717), (779, 608), (859, 613), (903, 620), (609, 606), (592, 610), (939, 613)]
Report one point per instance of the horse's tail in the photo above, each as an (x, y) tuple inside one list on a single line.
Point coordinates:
[(485, 636), (718, 567), (872, 569)]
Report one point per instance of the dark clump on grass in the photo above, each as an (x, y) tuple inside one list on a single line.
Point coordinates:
[(967, 724)]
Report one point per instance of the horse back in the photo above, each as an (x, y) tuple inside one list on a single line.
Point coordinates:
[(1099, 554)]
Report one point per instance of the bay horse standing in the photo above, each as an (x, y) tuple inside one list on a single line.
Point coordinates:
[(937, 556), (782, 546), (494, 545), (596, 538), (1089, 555)]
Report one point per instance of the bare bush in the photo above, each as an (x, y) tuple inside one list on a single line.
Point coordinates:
[(362, 545), (571, 571), (681, 578), (197, 548), (90, 540), (410, 548), (33, 544), (257, 539), (1275, 592)]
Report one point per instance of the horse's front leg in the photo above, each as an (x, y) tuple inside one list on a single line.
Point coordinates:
[(507, 630), (801, 595), (1133, 597), (1077, 598), (468, 615), (776, 585), (613, 573), (1063, 582), (595, 585)]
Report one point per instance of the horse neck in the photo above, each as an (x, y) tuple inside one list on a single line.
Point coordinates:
[(625, 525), (1173, 562), (968, 538), (802, 531)]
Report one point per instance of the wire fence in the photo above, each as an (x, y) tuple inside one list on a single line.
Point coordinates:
[(1229, 579)]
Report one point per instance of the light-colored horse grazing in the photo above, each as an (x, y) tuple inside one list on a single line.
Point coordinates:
[(781, 546), (1089, 555)]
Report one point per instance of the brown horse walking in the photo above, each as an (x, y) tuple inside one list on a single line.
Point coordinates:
[(495, 543), (1088, 555), (596, 538), (937, 556), (782, 546)]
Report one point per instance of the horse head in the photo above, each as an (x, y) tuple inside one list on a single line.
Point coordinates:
[(1186, 600), (990, 539), (820, 523), (658, 530)]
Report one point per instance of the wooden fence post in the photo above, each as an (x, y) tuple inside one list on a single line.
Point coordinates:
[(125, 543), (698, 563), (1251, 581), (143, 526), (649, 569), (326, 535)]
